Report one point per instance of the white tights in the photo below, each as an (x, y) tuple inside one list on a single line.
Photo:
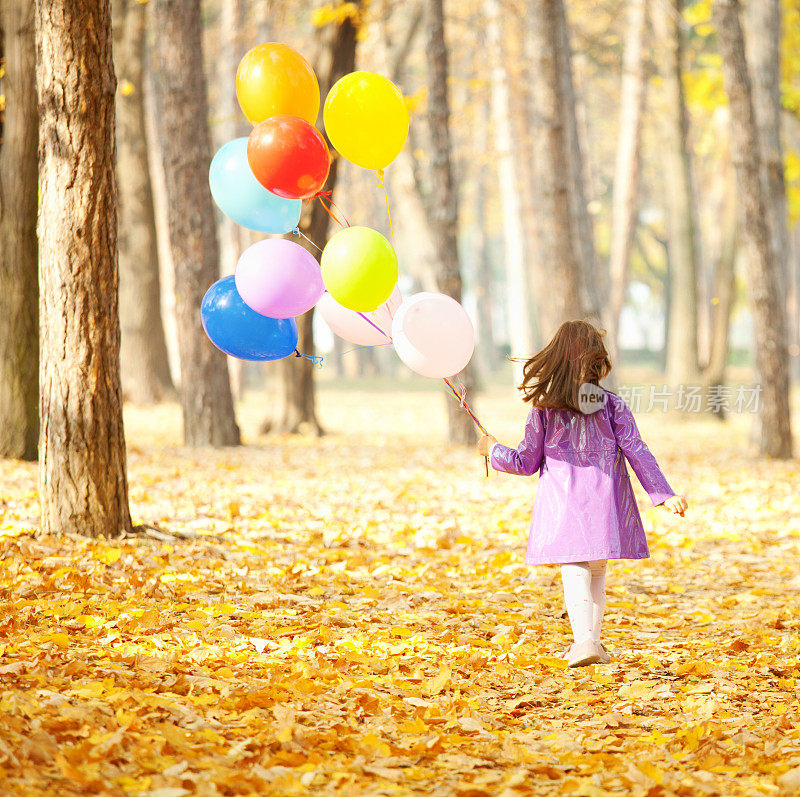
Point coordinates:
[(585, 597)]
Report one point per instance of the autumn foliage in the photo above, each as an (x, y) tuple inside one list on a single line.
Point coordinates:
[(353, 616)]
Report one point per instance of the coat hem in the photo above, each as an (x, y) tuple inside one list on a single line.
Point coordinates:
[(591, 557)]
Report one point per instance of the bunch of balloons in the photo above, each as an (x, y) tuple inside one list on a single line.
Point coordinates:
[(261, 181)]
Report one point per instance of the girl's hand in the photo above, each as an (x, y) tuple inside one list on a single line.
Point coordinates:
[(676, 504), (485, 445)]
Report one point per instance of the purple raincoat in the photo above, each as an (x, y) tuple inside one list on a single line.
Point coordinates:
[(584, 508)]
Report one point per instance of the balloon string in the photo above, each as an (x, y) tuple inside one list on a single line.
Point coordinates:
[(316, 360), (297, 231), (382, 184), (327, 197), (358, 348), (462, 400), (373, 324)]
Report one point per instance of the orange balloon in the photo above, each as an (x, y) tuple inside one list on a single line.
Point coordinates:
[(274, 79)]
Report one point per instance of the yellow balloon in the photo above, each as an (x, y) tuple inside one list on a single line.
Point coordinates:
[(366, 119), (273, 79)]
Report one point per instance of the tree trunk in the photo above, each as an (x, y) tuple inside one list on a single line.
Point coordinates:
[(208, 414), (559, 272), (300, 406), (409, 210), (626, 172), (19, 331), (794, 303), (482, 259), (413, 243), (767, 301), (522, 110), (143, 356), (592, 282), (233, 239), (508, 160), (661, 276), (231, 124), (82, 482), (723, 289), (262, 13), (155, 161), (762, 43), (523, 116), (443, 200), (299, 390), (682, 364)]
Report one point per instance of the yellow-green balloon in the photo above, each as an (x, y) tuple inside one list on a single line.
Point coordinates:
[(359, 268)]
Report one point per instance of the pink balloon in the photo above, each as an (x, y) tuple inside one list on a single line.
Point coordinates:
[(278, 278), (433, 335), (351, 326)]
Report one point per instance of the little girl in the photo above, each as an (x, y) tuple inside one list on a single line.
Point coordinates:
[(585, 512)]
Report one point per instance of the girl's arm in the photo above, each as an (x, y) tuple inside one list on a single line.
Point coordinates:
[(525, 459), (637, 453)]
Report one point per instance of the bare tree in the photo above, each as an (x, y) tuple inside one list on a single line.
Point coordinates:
[(299, 389), (766, 298), (208, 414), (520, 330), (558, 276), (231, 122), (484, 287), (145, 367), (626, 170), (762, 43), (82, 482), (682, 358), (19, 343), (405, 177), (592, 281), (443, 198), (723, 285), (263, 13)]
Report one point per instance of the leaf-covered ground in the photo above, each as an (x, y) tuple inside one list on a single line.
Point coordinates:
[(352, 615)]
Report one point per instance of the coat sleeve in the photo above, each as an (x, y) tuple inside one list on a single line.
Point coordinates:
[(637, 453), (525, 459)]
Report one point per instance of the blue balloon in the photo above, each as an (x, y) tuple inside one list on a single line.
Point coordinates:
[(242, 198), (241, 332)]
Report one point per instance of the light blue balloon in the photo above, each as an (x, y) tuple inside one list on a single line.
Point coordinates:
[(243, 199)]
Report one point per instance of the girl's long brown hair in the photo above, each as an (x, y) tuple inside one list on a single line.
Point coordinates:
[(575, 355)]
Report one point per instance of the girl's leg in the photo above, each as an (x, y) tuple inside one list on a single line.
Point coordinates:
[(597, 590), (577, 580)]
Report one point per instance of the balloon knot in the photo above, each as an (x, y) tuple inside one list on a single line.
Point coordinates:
[(316, 360), (380, 174), (463, 387)]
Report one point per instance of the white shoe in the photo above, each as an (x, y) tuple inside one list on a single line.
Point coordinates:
[(583, 653)]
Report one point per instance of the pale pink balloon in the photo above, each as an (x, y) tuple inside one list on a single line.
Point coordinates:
[(352, 326), (433, 335)]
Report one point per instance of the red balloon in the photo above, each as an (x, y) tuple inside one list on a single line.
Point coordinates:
[(288, 156)]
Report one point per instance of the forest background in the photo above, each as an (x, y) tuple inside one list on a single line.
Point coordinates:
[(227, 578)]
